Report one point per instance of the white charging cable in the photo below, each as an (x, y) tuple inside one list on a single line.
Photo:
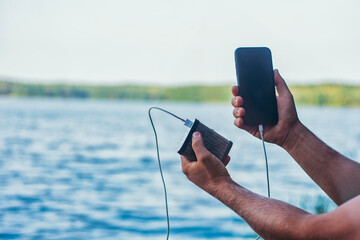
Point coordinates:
[(261, 129), (187, 123), (266, 160)]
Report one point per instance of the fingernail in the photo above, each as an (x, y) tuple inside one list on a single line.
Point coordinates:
[(196, 134)]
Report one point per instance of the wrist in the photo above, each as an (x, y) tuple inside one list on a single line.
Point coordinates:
[(231, 194), (294, 137), (218, 184)]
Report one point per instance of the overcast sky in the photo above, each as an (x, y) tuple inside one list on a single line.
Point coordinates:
[(172, 42)]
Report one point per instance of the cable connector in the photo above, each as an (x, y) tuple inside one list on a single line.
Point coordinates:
[(261, 128), (188, 123)]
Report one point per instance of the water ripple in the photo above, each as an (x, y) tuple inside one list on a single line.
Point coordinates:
[(88, 170)]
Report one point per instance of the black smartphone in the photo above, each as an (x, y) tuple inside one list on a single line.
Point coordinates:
[(255, 77)]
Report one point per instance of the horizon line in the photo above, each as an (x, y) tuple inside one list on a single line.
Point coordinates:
[(108, 83)]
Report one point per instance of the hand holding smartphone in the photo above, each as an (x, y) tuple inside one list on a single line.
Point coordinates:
[(255, 77)]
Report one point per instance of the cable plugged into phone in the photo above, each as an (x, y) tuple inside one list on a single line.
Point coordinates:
[(261, 130)]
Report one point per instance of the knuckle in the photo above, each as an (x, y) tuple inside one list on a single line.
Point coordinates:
[(238, 122), (233, 101), (195, 143), (185, 170), (241, 121), (206, 155), (235, 122), (241, 112), (235, 112)]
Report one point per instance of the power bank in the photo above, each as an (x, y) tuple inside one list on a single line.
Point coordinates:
[(214, 142)]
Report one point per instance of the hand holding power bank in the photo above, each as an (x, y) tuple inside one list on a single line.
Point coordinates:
[(214, 142)]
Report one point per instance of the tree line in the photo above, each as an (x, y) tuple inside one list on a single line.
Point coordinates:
[(320, 95)]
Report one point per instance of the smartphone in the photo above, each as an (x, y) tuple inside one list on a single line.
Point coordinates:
[(255, 77)]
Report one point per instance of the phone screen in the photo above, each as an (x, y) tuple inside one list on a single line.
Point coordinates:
[(256, 84)]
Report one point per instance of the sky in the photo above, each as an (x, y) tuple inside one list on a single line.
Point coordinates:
[(168, 42)]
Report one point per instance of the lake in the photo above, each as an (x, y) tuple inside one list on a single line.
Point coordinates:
[(87, 169)]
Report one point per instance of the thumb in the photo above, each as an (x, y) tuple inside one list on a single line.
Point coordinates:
[(198, 146), (280, 84)]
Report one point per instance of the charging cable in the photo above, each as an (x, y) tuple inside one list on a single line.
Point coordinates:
[(261, 129), (266, 160), (187, 123)]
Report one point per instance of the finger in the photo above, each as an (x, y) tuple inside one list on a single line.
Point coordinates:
[(237, 101), (227, 160), (198, 146), (238, 112), (239, 122), (184, 163), (235, 90), (252, 130), (280, 84)]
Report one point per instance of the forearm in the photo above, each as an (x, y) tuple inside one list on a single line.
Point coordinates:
[(270, 218), (274, 219), (337, 175)]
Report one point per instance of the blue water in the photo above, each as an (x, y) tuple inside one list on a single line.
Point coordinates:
[(72, 169)]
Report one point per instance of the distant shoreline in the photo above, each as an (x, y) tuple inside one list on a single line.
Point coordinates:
[(314, 95)]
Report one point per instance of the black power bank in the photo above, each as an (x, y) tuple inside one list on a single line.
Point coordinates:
[(255, 77), (214, 142)]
